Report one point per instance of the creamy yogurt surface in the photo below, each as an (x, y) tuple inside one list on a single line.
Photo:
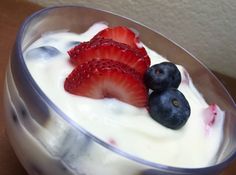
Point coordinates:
[(129, 128)]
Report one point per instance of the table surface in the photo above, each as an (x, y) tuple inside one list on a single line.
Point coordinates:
[(12, 13)]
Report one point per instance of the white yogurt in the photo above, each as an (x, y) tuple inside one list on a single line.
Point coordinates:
[(129, 128)]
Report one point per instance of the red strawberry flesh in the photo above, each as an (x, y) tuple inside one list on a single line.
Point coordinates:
[(107, 79), (210, 115), (99, 48), (120, 34), (124, 35)]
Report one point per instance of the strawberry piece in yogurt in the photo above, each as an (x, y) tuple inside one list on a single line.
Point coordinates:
[(210, 114)]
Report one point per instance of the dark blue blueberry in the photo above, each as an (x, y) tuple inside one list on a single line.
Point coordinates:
[(32, 107), (62, 167), (169, 108), (14, 116), (23, 112), (72, 44), (162, 76), (43, 52), (36, 170)]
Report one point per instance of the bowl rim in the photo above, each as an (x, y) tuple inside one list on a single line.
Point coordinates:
[(18, 46)]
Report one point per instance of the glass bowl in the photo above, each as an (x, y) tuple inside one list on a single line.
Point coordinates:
[(48, 142)]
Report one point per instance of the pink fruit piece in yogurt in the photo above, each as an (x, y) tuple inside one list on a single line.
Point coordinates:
[(210, 115)]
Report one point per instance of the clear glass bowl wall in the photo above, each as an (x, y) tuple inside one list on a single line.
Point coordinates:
[(47, 142)]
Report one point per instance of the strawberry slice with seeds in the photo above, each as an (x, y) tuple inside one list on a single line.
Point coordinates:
[(107, 79), (124, 35), (120, 34), (100, 48)]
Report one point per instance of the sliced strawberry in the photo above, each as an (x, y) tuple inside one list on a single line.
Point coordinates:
[(100, 48), (124, 35), (142, 51), (120, 34), (107, 79)]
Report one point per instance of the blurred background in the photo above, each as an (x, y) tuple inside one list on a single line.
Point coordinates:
[(207, 29)]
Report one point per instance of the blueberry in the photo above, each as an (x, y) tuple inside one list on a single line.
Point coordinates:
[(169, 108), (23, 112), (14, 116), (43, 52), (73, 44), (162, 76), (35, 170)]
